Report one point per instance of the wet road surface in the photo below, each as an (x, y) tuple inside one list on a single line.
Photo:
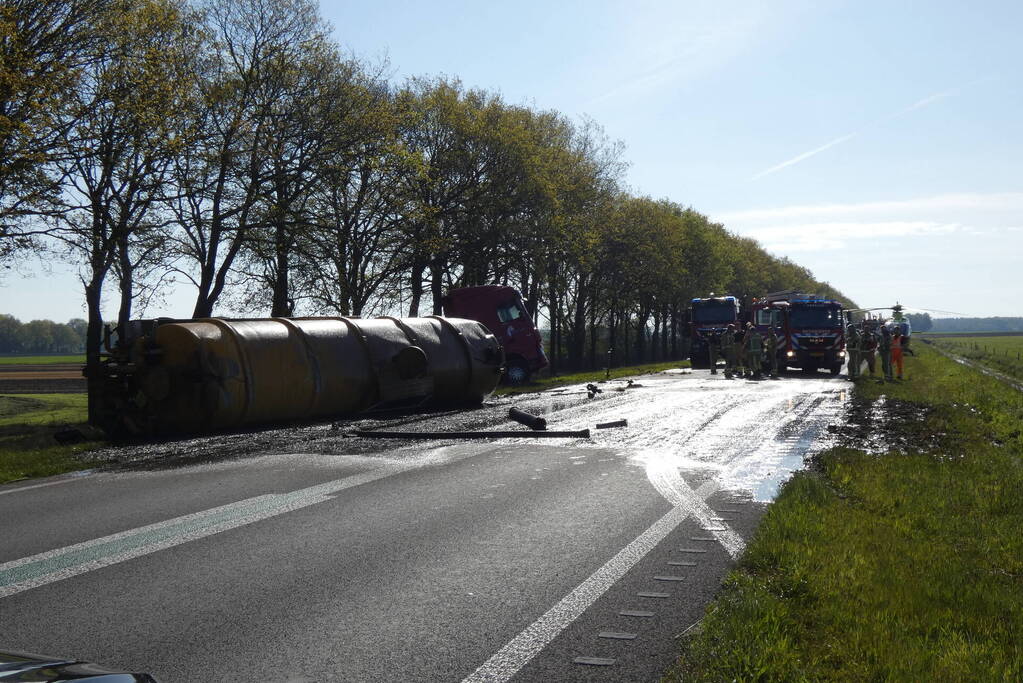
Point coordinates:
[(303, 554)]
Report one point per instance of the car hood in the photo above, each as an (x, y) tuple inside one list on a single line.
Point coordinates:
[(24, 666)]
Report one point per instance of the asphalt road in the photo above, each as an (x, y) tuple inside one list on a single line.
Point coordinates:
[(308, 555)]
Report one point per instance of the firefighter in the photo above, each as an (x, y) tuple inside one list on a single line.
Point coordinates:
[(852, 345), (884, 348), (754, 350), (771, 345), (728, 350), (897, 351), (868, 347), (713, 350)]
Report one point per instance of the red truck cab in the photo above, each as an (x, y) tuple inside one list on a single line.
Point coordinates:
[(501, 310)]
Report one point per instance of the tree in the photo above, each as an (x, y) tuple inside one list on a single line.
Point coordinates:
[(125, 124), (921, 322), (44, 44), (355, 247)]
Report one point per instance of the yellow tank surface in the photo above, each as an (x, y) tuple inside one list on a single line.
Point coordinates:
[(214, 374)]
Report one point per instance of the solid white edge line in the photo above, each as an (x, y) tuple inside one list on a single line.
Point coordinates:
[(527, 644)]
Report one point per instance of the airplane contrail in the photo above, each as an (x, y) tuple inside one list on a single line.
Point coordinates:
[(804, 155)]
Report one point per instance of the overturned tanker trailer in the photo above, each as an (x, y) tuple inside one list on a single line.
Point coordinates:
[(191, 376)]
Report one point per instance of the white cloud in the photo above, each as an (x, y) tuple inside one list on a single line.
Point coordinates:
[(807, 228), (1009, 204), (804, 237)]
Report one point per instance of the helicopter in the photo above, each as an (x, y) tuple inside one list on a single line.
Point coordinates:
[(897, 321)]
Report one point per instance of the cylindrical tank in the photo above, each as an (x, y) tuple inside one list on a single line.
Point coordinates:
[(213, 374)]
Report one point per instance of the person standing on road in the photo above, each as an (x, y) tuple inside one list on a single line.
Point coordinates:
[(868, 347), (728, 350), (884, 348), (897, 352), (754, 351), (771, 345), (713, 347), (742, 367), (852, 345)]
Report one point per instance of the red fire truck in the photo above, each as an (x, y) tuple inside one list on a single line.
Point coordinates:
[(502, 311), (707, 317), (809, 327)]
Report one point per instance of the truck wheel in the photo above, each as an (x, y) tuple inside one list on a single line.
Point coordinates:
[(516, 373)]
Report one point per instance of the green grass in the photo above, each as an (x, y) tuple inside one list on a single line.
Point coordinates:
[(901, 566), (27, 425), (42, 360), (544, 383), (1004, 354)]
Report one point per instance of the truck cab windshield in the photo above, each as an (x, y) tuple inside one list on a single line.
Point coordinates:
[(723, 312), (508, 312), (815, 316)]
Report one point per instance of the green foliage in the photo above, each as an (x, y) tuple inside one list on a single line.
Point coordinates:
[(921, 322), (896, 566), (41, 360), (40, 336), (231, 143), (996, 324)]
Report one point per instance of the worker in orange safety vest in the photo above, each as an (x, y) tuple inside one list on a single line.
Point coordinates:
[(897, 351)]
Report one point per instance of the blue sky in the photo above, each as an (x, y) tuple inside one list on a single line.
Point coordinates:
[(880, 144)]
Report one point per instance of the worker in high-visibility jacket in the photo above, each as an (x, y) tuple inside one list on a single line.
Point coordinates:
[(728, 348), (754, 351), (713, 350), (852, 346), (771, 348), (884, 349), (868, 348), (897, 342)]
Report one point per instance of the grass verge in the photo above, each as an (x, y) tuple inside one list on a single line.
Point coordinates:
[(900, 565), (28, 423), (42, 360), (1004, 353), (544, 383)]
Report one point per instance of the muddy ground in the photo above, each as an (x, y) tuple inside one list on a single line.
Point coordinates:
[(58, 378)]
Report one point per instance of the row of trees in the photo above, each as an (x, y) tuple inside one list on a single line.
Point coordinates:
[(996, 324), (231, 145), (41, 336)]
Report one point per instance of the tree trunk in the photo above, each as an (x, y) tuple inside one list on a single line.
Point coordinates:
[(416, 287), (93, 346), (282, 306), (674, 331), (437, 284), (612, 328)]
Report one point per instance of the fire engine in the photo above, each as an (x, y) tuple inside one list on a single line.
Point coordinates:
[(809, 328), (707, 317)]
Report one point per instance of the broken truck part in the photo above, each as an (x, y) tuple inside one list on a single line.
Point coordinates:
[(193, 376), (532, 421)]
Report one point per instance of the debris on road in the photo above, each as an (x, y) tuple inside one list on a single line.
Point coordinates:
[(612, 424), (506, 434), (532, 421)]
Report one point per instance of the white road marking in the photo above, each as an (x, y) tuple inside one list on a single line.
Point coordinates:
[(39, 486), (63, 563), (509, 659)]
